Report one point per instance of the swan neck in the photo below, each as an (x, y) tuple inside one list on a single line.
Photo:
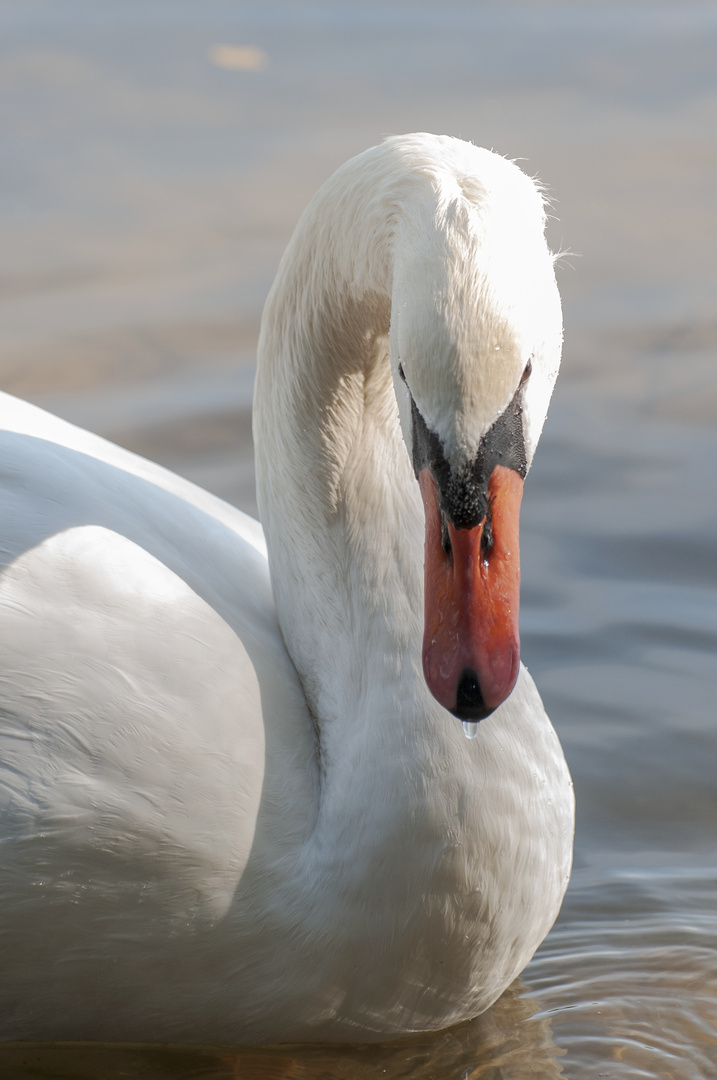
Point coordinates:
[(336, 491)]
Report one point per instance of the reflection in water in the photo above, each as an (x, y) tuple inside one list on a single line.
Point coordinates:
[(509, 1042), (628, 979), (238, 57)]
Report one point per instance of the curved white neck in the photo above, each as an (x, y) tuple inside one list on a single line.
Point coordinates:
[(417, 827), (337, 496), (405, 237)]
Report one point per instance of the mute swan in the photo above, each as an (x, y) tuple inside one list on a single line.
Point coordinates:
[(230, 816)]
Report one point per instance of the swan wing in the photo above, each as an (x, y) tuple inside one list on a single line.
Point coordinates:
[(142, 673)]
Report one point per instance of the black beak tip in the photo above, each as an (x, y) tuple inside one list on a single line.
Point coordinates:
[(470, 705)]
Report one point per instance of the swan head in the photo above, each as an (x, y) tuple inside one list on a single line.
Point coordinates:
[(475, 342)]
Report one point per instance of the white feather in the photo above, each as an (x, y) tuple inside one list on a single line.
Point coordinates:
[(226, 820)]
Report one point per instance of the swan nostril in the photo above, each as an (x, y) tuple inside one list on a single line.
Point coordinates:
[(486, 537), (469, 698), (445, 536), (486, 541)]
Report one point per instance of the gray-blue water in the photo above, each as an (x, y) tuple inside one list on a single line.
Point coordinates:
[(149, 182)]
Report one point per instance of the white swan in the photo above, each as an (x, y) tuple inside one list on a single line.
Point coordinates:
[(227, 817)]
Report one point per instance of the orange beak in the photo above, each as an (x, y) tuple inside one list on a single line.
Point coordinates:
[(471, 647)]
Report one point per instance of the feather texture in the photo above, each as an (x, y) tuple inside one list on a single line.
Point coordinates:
[(230, 808)]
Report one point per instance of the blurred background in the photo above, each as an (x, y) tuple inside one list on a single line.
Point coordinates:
[(155, 158)]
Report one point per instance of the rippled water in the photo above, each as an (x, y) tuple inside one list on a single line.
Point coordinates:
[(147, 194)]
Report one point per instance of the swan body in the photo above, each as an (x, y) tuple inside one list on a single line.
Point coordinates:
[(231, 809)]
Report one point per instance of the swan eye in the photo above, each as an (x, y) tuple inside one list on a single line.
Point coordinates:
[(526, 374)]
